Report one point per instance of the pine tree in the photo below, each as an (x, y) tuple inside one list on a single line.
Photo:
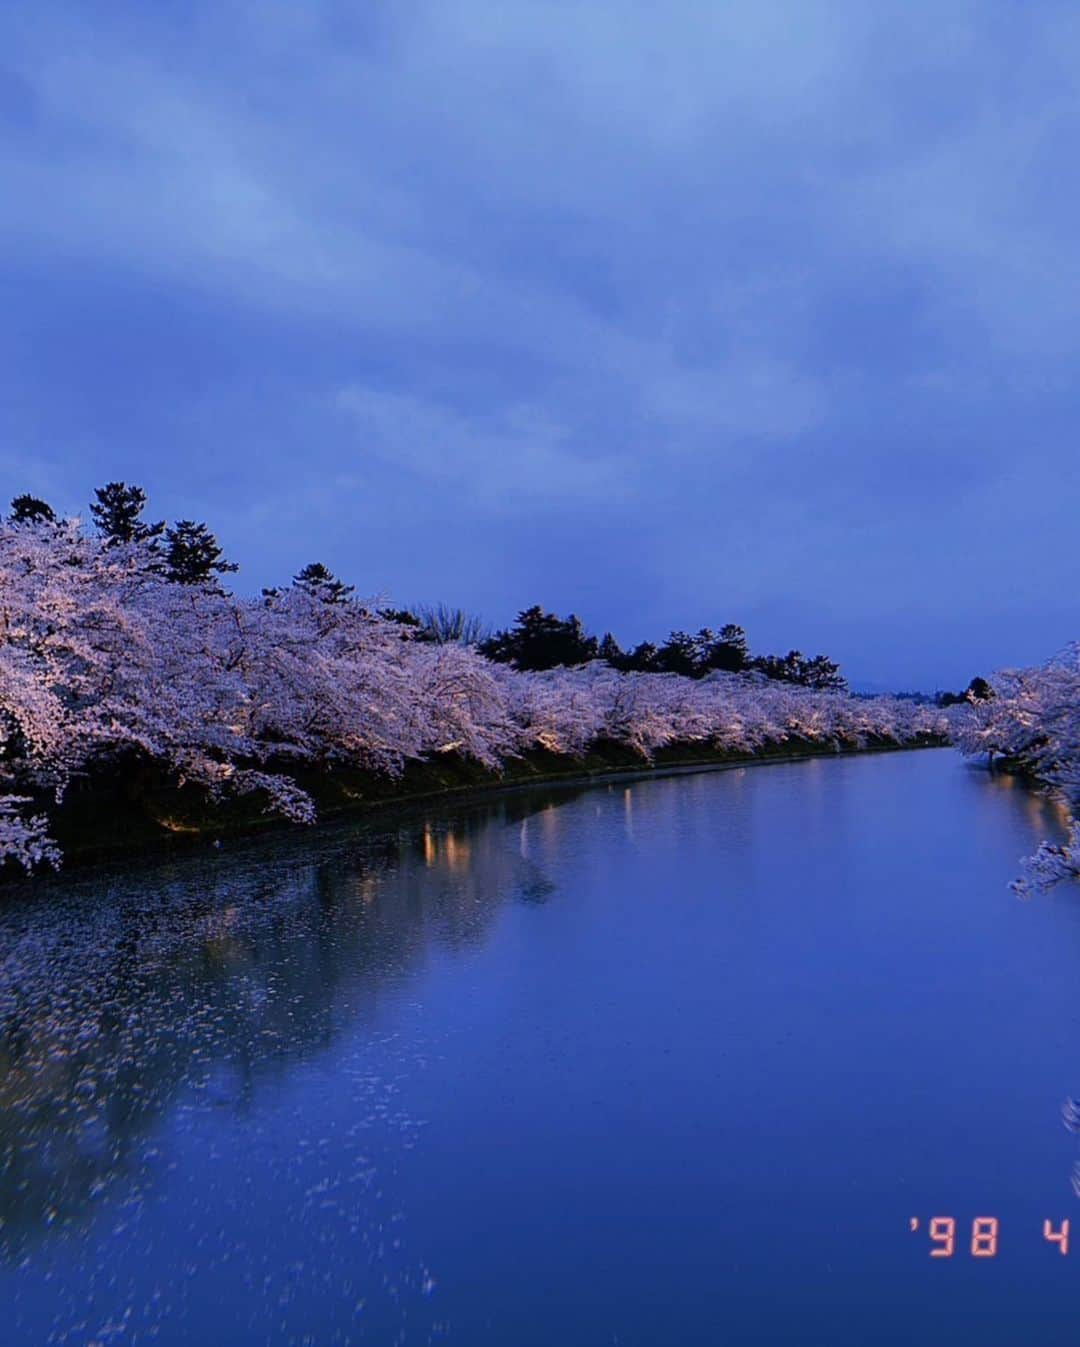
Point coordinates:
[(979, 690), (192, 554), (644, 658), (321, 582), (30, 510), (680, 654), (610, 650), (823, 674), (730, 651), (540, 640), (117, 510)]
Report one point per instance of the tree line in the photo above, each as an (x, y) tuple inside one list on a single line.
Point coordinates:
[(540, 640), (122, 649), (188, 553)]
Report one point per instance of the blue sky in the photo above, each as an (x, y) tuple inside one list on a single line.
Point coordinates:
[(671, 315)]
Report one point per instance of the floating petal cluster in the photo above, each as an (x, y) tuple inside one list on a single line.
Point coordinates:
[(106, 659)]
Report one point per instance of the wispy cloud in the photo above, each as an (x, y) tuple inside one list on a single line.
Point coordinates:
[(516, 457), (806, 262)]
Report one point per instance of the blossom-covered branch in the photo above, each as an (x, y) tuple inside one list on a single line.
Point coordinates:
[(1033, 721), (108, 657)]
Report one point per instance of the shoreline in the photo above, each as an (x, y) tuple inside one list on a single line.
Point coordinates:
[(135, 814)]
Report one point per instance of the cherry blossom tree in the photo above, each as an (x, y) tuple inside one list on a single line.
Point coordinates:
[(1032, 720), (107, 661)]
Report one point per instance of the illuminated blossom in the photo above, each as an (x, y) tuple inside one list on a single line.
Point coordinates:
[(1033, 721), (104, 660)]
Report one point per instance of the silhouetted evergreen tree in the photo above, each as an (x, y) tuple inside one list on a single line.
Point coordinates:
[(680, 654), (978, 690), (610, 650), (690, 656), (30, 510), (730, 651), (317, 579), (192, 554), (117, 512), (540, 640), (784, 668), (538, 634), (642, 659), (822, 673), (414, 629), (402, 616)]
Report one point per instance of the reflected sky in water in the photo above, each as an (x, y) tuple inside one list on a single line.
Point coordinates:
[(657, 1061)]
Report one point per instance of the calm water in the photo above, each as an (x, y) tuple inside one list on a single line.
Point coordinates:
[(669, 1062)]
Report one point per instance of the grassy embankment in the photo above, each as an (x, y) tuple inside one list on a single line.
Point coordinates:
[(135, 810)]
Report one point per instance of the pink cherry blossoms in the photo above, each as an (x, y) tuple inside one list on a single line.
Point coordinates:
[(1033, 720), (104, 659)]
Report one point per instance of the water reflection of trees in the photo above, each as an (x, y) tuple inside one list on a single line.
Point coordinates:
[(120, 993)]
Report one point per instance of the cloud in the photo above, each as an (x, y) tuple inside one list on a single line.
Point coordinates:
[(514, 458), (801, 266)]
